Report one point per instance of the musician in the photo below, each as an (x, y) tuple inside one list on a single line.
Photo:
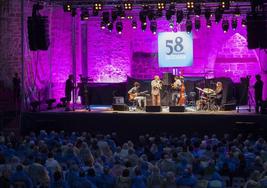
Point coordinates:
[(156, 86), (69, 87), (258, 92), (219, 94), (134, 93), (176, 86)]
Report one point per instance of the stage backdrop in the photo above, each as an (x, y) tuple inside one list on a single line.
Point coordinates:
[(109, 57)]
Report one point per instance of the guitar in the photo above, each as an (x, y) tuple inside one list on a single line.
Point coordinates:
[(132, 96)]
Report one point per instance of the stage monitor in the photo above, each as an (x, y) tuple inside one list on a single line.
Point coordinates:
[(175, 49)]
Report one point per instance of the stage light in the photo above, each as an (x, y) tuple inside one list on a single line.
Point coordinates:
[(114, 15), (142, 16), (97, 6), (234, 23), (207, 13), (110, 26), (190, 5), (102, 25), (179, 16), (244, 22), (128, 6), (143, 26), (151, 15), (170, 12), (73, 12), (218, 14), (197, 10), (84, 14), (67, 7), (188, 26), (120, 11), (134, 24), (237, 11), (209, 24), (225, 4), (105, 17), (197, 24), (171, 25), (225, 25), (161, 5), (119, 27), (153, 27)]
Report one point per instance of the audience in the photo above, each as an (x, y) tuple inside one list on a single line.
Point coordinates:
[(76, 160)]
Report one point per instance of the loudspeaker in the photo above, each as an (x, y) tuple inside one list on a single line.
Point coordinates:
[(153, 108), (176, 109), (256, 31), (167, 78), (38, 33), (229, 106), (120, 107), (264, 107)]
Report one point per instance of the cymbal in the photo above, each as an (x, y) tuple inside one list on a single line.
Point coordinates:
[(208, 90)]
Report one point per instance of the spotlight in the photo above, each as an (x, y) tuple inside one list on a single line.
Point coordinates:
[(102, 25), (73, 12), (207, 13), (97, 6), (143, 26), (67, 7), (120, 11), (153, 27), (142, 16), (84, 14), (237, 11), (179, 16), (197, 10), (197, 24), (134, 24), (119, 27), (161, 5), (209, 24), (190, 5), (128, 6), (110, 26), (129, 17), (114, 15), (171, 24), (170, 12), (151, 15), (105, 17), (218, 15), (244, 22), (225, 4), (225, 25), (188, 26), (234, 23)]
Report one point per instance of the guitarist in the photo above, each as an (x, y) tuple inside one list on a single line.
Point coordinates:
[(134, 94), (176, 86)]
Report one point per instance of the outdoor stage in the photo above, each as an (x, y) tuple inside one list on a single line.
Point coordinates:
[(130, 124)]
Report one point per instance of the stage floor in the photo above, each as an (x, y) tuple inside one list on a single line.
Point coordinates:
[(102, 119)]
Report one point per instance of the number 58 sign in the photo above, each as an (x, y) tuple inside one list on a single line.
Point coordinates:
[(175, 49)]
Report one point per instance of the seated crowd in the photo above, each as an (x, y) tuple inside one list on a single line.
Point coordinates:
[(60, 160)]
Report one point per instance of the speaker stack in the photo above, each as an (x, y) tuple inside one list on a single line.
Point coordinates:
[(256, 31), (153, 108), (176, 109), (38, 33)]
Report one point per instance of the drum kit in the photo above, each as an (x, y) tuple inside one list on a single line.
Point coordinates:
[(207, 99)]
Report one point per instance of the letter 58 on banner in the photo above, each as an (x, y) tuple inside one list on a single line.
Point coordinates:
[(175, 49)]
